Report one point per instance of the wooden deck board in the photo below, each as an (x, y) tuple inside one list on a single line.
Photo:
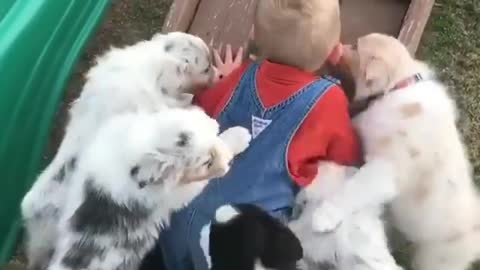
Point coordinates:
[(361, 17), (220, 22), (229, 21), (180, 16)]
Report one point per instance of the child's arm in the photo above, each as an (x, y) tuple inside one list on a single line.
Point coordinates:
[(325, 135), (344, 146)]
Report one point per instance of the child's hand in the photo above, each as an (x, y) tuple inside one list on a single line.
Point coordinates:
[(225, 67)]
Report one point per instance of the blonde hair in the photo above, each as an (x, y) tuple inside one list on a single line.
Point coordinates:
[(299, 33)]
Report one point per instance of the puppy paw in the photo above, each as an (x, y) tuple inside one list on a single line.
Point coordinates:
[(237, 139), (326, 218)]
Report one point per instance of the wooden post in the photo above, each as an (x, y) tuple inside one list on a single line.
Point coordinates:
[(414, 23)]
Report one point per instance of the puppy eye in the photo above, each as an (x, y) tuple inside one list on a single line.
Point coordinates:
[(205, 71), (209, 162)]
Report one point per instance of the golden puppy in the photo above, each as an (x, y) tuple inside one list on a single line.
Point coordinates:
[(415, 158)]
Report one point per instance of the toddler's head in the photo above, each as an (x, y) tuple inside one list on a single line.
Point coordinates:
[(300, 33)]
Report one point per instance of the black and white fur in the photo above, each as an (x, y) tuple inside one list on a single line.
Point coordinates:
[(149, 76), (358, 243), (245, 237), (138, 169)]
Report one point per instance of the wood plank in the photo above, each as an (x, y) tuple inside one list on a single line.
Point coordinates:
[(224, 21), (361, 17), (414, 23), (180, 15), (229, 21)]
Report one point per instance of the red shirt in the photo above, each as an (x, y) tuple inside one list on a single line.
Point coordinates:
[(325, 135)]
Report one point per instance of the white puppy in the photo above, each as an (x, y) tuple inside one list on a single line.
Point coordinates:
[(359, 242), (138, 169), (148, 76), (415, 158)]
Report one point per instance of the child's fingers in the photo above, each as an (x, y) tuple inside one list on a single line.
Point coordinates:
[(239, 57), (217, 59), (216, 75), (228, 54)]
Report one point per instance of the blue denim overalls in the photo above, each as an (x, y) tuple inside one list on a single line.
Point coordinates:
[(259, 175)]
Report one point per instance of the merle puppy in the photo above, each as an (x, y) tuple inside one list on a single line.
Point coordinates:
[(138, 169)]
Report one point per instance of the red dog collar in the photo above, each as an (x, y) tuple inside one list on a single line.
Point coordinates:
[(408, 81)]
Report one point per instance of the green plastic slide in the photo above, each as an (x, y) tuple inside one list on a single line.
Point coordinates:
[(40, 42)]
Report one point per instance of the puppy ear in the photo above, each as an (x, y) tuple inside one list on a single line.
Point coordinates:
[(151, 171), (376, 74)]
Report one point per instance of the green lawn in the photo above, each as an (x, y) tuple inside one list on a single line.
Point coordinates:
[(451, 44)]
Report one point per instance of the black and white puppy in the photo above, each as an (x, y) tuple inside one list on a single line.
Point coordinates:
[(245, 237), (138, 170)]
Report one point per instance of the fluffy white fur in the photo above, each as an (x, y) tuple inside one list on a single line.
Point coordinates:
[(415, 159), (359, 242), (149, 76), (138, 169)]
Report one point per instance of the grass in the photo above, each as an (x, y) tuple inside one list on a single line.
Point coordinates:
[(451, 43)]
